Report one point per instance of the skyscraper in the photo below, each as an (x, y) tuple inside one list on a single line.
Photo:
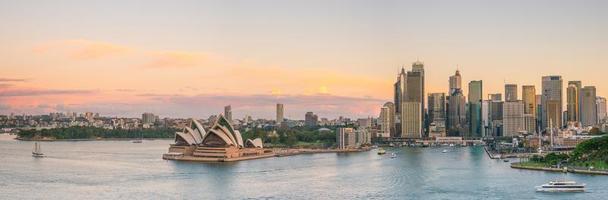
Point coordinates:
[(510, 92), (589, 106), (400, 87), (513, 118), (228, 113), (436, 109), (572, 102), (529, 99), (551, 101), (579, 87), (409, 89), (280, 113), (456, 112), (601, 109), (391, 118), (475, 106), (410, 123), (384, 122)]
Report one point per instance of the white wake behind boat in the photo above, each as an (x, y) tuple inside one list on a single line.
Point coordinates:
[(37, 152), (561, 186)]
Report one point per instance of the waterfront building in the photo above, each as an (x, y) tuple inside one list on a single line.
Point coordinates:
[(589, 106), (280, 113), (436, 116), (399, 92), (220, 143), (456, 104), (475, 109), (529, 99), (346, 138), (148, 118), (411, 124), (601, 109), (390, 118), (228, 113), (513, 118), (384, 122), (363, 137), (511, 92), (310, 119), (409, 87), (572, 102), (551, 101)]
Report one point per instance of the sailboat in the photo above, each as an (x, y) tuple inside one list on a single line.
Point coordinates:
[(37, 152)]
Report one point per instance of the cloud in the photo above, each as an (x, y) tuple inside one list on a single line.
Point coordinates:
[(42, 92), (12, 80), (82, 49)]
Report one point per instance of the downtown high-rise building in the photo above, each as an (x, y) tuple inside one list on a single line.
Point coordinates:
[(475, 109), (552, 101), (601, 109), (280, 113), (456, 104), (513, 118), (576, 108), (384, 120), (529, 99), (436, 109), (511, 92), (410, 120), (390, 118), (512, 113), (495, 97), (228, 113), (409, 89), (495, 117), (573, 102), (589, 106)]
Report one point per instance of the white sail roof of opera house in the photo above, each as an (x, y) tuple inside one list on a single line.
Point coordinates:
[(192, 134), (221, 134), (255, 143)]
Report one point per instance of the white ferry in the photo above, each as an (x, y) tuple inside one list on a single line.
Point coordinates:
[(561, 186)]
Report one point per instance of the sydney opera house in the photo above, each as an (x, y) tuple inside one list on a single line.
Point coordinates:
[(219, 144)]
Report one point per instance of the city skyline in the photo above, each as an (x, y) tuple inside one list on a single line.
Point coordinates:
[(52, 62)]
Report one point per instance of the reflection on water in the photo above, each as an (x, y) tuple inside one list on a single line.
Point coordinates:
[(123, 170)]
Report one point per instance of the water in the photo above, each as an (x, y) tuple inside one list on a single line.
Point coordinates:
[(124, 170)]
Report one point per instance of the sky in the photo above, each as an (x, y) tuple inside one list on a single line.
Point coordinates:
[(331, 57)]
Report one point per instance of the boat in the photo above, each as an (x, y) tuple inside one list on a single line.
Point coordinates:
[(381, 151), (451, 145), (37, 152), (505, 160), (561, 186), (444, 151), (393, 155)]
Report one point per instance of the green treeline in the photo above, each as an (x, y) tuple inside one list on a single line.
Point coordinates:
[(590, 153), (290, 137), (79, 132)]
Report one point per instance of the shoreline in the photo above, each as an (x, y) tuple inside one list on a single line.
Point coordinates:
[(274, 153), (560, 170)]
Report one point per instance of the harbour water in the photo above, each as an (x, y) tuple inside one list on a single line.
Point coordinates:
[(124, 170)]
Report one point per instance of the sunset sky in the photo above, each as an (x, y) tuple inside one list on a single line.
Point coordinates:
[(190, 58)]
